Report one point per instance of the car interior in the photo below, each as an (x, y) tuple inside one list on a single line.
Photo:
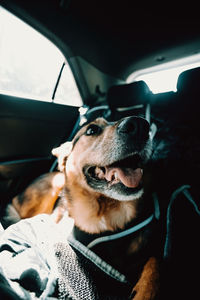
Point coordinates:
[(105, 43)]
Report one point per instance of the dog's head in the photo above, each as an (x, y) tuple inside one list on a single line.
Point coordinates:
[(108, 158)]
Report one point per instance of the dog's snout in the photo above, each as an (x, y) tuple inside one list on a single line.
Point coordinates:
[(134, 126)]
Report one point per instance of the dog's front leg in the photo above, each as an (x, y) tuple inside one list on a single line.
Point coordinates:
[(147, 287)]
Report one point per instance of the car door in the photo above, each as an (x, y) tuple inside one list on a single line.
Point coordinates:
[(32, 122)]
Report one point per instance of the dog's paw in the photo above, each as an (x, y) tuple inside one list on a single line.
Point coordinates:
[(147, 287), (143, 294)]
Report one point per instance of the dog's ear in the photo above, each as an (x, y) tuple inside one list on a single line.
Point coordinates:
[(62, 153)]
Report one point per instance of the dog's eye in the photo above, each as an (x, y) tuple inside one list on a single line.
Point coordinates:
[(93, 129)]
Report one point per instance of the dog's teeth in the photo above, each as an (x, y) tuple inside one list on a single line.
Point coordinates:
[(99, 173), (116, 176)]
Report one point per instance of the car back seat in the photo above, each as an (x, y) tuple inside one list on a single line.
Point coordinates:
[(188, 92), (128, 99)]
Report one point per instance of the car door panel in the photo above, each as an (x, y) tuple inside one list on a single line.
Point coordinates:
[(29, 129)]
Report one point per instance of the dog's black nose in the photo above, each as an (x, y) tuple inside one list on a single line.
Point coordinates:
[(134, 126)]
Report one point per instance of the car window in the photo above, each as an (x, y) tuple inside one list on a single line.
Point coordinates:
[(30, 65), (66, 92), (164, 78)]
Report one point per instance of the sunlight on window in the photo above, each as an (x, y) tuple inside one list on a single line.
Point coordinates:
[(29, 69), (163, 80), (30, 63)]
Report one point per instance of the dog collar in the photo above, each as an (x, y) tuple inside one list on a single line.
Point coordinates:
[(91, 240)]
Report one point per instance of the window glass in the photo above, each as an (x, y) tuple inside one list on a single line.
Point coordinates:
[(164, 78), (30, 64), (66, 92)]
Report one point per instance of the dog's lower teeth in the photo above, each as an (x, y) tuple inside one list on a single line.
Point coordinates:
[(99, 173), (116, 176)]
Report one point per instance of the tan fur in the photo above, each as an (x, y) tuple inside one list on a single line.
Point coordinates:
[(148, 284), (40, 196), (94, 213)]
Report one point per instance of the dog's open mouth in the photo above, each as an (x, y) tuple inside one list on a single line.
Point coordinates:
[(128, 172)]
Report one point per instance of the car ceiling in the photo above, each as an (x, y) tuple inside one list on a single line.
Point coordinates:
[(117, 37)]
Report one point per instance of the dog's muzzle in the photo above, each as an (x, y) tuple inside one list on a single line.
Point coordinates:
[(122, 179)]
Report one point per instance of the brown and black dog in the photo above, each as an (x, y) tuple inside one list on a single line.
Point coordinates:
[(104, 188)]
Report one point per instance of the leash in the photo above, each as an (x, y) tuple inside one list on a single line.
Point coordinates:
[(103, 270), (131, 230), (184, 189), (90, 240)]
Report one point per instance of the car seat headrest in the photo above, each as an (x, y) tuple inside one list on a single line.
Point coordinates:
[(189, 81), (126, 95)]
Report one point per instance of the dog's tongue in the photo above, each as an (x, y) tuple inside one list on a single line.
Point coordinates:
[(129, 177)]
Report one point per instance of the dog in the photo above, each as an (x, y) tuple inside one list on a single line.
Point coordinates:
[(105, 191), (102, 173), (41, 196)]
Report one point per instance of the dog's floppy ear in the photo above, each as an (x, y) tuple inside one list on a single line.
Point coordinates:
[(62, 152)]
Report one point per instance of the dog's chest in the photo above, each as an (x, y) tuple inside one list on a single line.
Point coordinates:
[(127, 254)]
